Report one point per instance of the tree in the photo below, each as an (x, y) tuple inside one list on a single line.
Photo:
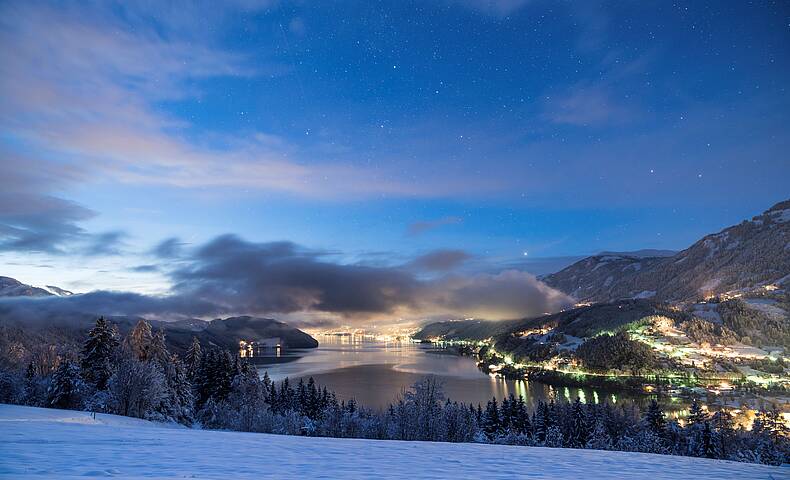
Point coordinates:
[(697, 415), (706, 444), (554, 437), (35, 388), (98, 353), (521, 423), (491, 421), (599, 438), (424, 400), (157, 350), (540, 422), (192, 359), (216, 376), (655, 418), (579, 432), (179, 402), (12, 386), (140, 339), (137, 388), (67, 387)]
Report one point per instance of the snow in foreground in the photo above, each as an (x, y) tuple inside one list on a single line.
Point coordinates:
[(44, 443)]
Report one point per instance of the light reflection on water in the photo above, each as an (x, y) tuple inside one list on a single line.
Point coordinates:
[(375, 373)]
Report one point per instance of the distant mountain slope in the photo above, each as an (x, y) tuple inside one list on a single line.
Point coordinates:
[(58, 291), (603, 277), (750, 254), (644, 253), (11, 287), (228, 332), (585, 321), (465, 329)]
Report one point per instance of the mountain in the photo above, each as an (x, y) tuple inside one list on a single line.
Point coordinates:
[(585, 321), (753, 253), (58, 291), (603, 277), (11, 287), (227, 332), (644, 253), (465, 329)]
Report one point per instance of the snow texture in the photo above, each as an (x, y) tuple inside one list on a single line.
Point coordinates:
[(63, 444)]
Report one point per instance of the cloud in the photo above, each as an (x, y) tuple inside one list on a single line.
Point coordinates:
[(31, 218), (605, 101), (145, 268), (107, 243), (45, 309), (440, 260), (168, 248), (509, 294), (423, 226), (283, 277), (229, 275), (499, 8), (98, 104), (587, 105)]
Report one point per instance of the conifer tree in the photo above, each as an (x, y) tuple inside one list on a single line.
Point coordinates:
[(157, 350), (697, 415), (655, 419), (194, 356), (554, 437), (539, 422), (97, 354), (522, 424), (491, 420), (579, 430), (599, 438), (67, 386)]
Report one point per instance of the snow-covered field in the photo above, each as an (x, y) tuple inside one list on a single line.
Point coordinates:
[(59, 444)]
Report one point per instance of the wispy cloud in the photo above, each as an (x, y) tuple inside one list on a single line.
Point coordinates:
[(587, 105), (607, 100), (96, 103), (423, 226)]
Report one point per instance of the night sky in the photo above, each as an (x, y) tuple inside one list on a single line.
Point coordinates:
[(437, 146)]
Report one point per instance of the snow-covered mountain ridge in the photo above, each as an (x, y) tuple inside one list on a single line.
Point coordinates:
[(11, 287), (751, 254)]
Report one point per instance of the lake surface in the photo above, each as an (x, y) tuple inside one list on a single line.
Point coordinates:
[(375, 373)]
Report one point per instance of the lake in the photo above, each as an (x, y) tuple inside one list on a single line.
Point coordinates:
[(375, 373)]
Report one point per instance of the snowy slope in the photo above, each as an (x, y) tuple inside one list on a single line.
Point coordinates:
[(58, 444)]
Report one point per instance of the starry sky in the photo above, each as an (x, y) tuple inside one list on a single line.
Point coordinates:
[(462, 144)]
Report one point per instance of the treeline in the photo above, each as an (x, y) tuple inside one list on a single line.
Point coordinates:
[(137, 376)]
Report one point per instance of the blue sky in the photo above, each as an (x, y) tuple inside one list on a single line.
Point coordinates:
[(379, 131)]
